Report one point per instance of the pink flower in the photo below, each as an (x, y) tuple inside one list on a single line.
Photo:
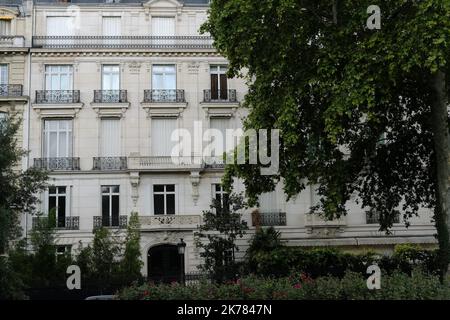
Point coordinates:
[(297, 286)]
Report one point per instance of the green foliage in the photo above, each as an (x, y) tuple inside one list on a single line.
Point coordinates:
[(19, 190), (11, 284), (131, 264), (105, 248), (263, 241), (222, 226), (352, 286)]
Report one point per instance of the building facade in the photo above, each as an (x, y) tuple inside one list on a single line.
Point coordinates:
[(109, 83)]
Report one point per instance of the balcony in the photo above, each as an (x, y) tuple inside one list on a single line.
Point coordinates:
[(214, 163), (165, 163), (110, 163), (164, 96), (62, 223), (12, 41), (58, 164), (220, 96), (123, 42), (120, 222), (268, 218), (57, 96), (375, 218), (11, 90), (110, 96), (170, 221)]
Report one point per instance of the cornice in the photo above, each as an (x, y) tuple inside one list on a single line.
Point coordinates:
[(126, 53)]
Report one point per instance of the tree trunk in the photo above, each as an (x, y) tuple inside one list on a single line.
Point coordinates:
[(439, 127), (335, 12)]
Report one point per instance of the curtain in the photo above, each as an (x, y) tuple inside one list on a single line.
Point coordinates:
[(57, 138), (221, 124), (111, 26), (268, 202), (163, 26), (111, 78), (3, 74), (5, 27), (110, 138), (60, 26), (58, 77), (164, 77), (161, 136)]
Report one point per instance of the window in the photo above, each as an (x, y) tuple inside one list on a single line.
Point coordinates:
[(110, 77), (221, 124), (5, 27), (57, 138), (63, 250), (60, 26), (164, 199), (112, 26), (57, 202), (110, 206), (268, 202), (162, 129), (219, 83), (163, 26), (164, 77), (219, 194), (110, 138), (3, 74), (58, 77), (374, 218)]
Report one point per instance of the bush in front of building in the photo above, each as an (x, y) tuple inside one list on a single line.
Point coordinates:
[(352, 286)]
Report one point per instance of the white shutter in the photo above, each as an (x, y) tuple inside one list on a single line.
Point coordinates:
[(221, 124), (163, 26), (161, 136), (110, 138), (112, 26), (5, 27), (268, 202), (60, 26), (3, 74)]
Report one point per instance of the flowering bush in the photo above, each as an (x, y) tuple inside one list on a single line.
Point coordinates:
[(352, 286)]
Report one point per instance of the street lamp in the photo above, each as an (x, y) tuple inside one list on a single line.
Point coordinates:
[(181, 249)]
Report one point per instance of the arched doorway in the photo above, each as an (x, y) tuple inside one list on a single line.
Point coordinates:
[(164, 263)]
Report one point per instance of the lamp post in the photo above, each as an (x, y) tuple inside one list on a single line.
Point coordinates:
[(181, 249)]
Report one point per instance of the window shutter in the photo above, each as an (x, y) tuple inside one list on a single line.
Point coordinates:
[(214, 86), (268, 202), (60, 26), (223, 87), (112, 26), (110, 138), (163, 26), (161, 136)]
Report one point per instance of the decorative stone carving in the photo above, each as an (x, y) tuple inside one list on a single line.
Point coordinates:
[(134, 180), (195, 182), (134, 67)]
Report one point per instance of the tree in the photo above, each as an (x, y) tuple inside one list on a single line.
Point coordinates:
[(222, 226), (19, 189), (361, 112), (131, 264)]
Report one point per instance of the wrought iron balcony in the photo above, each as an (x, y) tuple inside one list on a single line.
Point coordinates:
[(62, 164), (160, 95), (65, 223), (214, 162), (110, 163), (111, 222), (57, 96), (268, 218), (110, 96), (12, 41), (11, 90), (123, 42), (375, 218), (224, 96)]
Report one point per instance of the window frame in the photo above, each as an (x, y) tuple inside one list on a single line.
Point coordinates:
[(57, 195), (46, 138), (48, 73), (110, 194), (164, 193)]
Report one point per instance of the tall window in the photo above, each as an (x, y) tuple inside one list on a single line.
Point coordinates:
[(60, 26), (268, 202), (221, 124), (57, 138), (5, 27), (3, 74), (219, 83), (163, 26), (57, 202), (219, 194), (110, 206), (164, 77), (110, 77), (58, 77), (111, 26), (110, 138), (164, 199), (162, 129)]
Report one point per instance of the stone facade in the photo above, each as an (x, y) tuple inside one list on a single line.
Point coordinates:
[(75, 98)]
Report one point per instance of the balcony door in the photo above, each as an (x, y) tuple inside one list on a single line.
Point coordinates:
[(57, 202), (59, 77), (162, 129), (57, 139), (219, 83), (61, 27), (4, 74), (110, 138), (111, 27)]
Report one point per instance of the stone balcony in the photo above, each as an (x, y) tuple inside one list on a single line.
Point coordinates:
[(164, 163), (12, 41), (170, 221)]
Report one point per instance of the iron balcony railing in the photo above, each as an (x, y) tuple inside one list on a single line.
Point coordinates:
[(110, 163), (110, 96), (57, 96), (220, 96), (11, 90), (67, 164), (110, 222), (162, 95), (66, 223), (268, 218), (124, 42), (374, 218)]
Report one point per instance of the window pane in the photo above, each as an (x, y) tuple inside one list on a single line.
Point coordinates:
[(105, 189), (115, 189), (115, 211), (52, 190), (158, 188), (61, 190), (158, 200), (170, 203), (105, 210), (61, 211), (170, 187), (51, 203)]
